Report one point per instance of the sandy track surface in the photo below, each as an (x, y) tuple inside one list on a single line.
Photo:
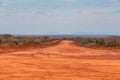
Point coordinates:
[(64, 61)]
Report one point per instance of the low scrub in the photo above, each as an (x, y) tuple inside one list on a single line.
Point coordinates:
[(7, 39), (113, 41)]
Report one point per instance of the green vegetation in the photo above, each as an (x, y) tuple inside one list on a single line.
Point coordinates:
[(113, 41), (7, 39)]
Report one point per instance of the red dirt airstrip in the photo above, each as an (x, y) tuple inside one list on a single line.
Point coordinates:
[(63, 61)]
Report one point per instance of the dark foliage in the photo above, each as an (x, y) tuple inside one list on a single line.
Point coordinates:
[(7, 39), (106, 41)]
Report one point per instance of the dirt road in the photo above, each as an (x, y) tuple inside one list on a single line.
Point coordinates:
[(64, 61)]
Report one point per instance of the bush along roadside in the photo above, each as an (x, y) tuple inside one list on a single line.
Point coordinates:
[(7, 39), (113, 41)]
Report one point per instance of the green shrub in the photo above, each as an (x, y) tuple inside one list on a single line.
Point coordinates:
[(107, 41), (22, 40)]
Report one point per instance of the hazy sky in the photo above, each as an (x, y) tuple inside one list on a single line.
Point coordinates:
[(59, 16)]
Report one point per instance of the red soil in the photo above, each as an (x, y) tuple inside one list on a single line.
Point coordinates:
[(64, 61), (8, 49)]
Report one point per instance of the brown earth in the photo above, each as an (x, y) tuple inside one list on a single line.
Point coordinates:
[(64, 61)]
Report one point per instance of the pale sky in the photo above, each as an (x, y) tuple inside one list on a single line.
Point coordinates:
[(59, 16)]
